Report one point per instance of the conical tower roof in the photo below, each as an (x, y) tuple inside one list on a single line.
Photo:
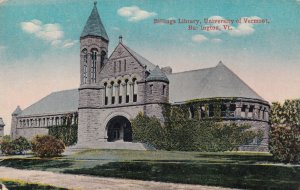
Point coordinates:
[(17, 111), (94, 26), (157, 75)]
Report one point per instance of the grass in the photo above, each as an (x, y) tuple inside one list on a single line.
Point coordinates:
[(21, 185), (247, 170)]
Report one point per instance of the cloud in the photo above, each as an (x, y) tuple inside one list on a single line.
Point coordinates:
[(48, 32), (51, 33), (242, 29), (216, 40), (64, 44), (199, 38), (135, 14)]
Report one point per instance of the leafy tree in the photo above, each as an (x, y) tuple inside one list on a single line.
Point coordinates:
[(185, 134), (7, 145), (148, 130), (21, 144), (285, 131), (47, 146), (11, 147)]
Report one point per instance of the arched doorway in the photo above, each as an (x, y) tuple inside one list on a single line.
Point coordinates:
[(119, 129)]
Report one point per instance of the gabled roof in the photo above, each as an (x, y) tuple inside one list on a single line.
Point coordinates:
[(1, 122), (94, 26), (218, 81), (143, 61), (157, 75), (55, 103)]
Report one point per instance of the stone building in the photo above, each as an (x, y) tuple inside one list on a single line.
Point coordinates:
[(2, 125), (114, 89)]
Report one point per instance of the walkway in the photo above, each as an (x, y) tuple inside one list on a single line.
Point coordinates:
[(93, 183)]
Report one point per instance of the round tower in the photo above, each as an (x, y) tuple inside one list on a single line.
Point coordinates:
[(157, 87)]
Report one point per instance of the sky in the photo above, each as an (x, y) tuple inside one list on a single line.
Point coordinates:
[(39, 42)]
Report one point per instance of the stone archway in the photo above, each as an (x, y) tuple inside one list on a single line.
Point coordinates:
[(119, 129)]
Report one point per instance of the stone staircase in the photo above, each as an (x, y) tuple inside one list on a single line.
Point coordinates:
[(109, 145)]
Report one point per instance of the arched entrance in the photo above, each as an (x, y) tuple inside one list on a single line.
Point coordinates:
[(119, 129)]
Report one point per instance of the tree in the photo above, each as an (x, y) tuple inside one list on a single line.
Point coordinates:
[(17, 146), (47, 146), (179, 132), (285, 131), (20, 145)]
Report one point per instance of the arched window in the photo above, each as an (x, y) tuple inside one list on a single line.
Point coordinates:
[(103, 57), (192, 112), (105, 94), (163, 92), (120, 92), (120, 66), (85, 60), (223, 110), (124, 65), (134, 86), (93, 66), (126, 90), (202, 111), (211, 112), (113, 88), (151, 88)]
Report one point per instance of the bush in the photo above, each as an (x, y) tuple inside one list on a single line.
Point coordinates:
[(12, 147), (67, 133), (21, 144), (7, 146), (183, 134), (285, 131), (47, 146)]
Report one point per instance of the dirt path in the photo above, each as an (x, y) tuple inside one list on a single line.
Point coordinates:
[(93, 183)]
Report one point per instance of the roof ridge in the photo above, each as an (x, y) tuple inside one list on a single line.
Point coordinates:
[(242, 81), (191, 70), (135, 54)]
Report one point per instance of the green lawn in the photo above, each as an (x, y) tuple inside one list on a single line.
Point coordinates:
[(21, 185), (230, 169)]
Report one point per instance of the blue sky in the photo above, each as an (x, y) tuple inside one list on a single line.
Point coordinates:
[(39, 42)]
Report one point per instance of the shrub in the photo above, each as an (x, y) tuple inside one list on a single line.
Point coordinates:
[(285, 131), (7, 145), (148, 130), (184, 134), (47, 146), (20, 145), (17, 146), (67, 133)]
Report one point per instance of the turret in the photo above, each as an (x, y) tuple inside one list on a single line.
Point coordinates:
[(14, 122), (93, 49), (157, 85)]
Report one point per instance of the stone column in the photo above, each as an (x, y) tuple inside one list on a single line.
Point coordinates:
[(117, 89), (130, 92), (124, 92), (246, 111), (109, 87), (238, 110)]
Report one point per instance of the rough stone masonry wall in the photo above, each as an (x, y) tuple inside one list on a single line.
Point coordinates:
[(93, 122)]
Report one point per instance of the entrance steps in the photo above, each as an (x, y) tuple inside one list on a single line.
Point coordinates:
[(110, 145)]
